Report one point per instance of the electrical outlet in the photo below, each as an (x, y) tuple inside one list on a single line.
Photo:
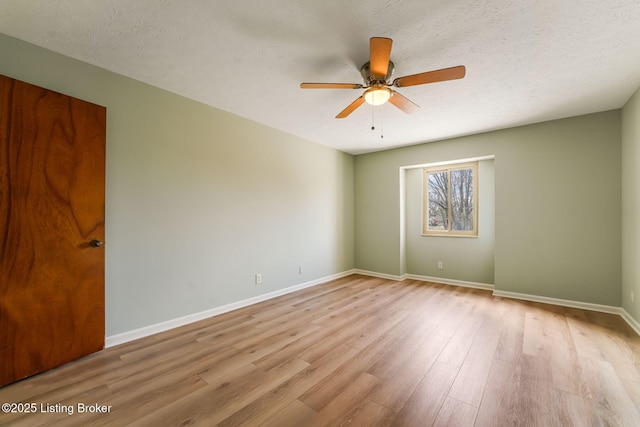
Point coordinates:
[(300, 270), (632, 297), (258, 279), (440, 265)]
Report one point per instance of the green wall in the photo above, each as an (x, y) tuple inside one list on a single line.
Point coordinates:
[(631, 206), (199, 200), (557, 206)]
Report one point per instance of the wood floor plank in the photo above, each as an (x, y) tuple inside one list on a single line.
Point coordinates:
[(423, 406), (458, 346), (339, 410), (397, 386), (342, 335), (534, 404), (318, 396), (613, 341), (225, 396), (447, 304), (359, 351), (205, 404), (193, 357), (572, 410), (632, 388), (472, 378), (499, 406), (368, 414), (348, 303), (510, 344), (534, 339), (373, 332), (581, 335), (517, 394), (493, 311), (301, 346), (614, 406), (159, 375), (264, 407), (276, 338), (411, 333), (294, 414), (456, 413)]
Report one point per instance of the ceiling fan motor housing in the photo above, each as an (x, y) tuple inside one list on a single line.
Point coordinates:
[(371, 80)]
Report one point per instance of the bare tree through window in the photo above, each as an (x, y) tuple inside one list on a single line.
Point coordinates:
[(438, 183), (450, 200)]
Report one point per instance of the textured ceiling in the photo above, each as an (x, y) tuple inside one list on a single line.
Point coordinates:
[(526, 61)]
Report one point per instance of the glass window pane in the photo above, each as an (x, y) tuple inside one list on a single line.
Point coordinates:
[(462, 200), (438, 211)]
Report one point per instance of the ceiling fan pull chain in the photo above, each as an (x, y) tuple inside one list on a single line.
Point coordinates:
[(382, 121), (372, 117)]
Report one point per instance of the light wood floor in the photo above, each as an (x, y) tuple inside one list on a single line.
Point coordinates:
[(360, 351)]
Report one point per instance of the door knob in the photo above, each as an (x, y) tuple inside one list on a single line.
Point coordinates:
[(96, 243)]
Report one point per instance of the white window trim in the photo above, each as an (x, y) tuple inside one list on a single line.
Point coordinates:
[(425, 199)]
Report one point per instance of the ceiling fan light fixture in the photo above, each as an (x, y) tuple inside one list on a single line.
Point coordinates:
[(377, 96)]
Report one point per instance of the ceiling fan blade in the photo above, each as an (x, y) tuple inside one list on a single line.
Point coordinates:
[(330, 86), (379, 54), (431, 77), (403, 103), (355, 104)]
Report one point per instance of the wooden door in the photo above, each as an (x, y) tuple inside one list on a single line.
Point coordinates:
[(52, 166)]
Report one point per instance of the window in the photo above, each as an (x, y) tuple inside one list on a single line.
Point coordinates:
[(450, 200)]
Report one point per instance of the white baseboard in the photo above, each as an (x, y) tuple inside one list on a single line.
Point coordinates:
[(380, 275), (557, 301), (145, 331), (475, 285)]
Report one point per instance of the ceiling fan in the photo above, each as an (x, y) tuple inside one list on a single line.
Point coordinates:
[(377, 80)]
